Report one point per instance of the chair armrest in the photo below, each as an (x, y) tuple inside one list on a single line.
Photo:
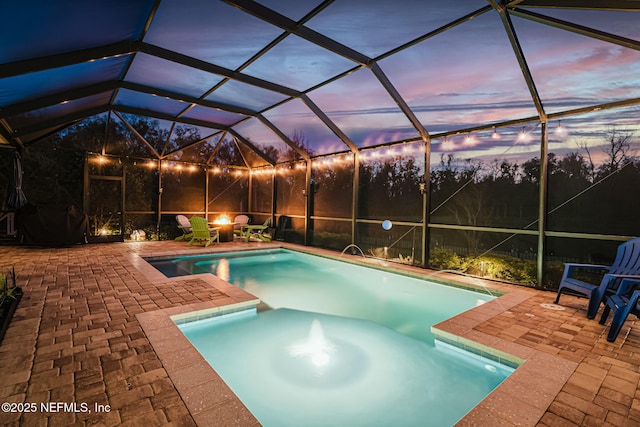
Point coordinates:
[(628, 284), (623, 276), (591, 266), (635, 296), (609, 279), (632, 301), (569, 267)]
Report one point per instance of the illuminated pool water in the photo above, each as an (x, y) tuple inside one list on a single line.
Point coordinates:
[(343, 344), (291, 279)]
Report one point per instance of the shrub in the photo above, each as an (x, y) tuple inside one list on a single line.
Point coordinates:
[(502, 267), (443, 259), (499, 267)]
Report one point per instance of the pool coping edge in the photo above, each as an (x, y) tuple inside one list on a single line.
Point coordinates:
[(514, 401), (207, 397)]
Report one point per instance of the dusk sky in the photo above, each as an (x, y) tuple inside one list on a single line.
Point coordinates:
[(464, 77)]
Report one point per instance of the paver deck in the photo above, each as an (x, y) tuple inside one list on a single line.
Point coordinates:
[(92, 328)]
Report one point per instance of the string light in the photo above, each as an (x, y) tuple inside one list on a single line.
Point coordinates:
[(262, 171), (495, 134), (560, 130), (447, 144), (523, 135)]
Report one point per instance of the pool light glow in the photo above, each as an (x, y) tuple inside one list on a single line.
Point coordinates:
[(316, 347)]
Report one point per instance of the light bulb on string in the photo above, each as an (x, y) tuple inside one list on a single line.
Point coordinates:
[(447, 144), (523, 135)]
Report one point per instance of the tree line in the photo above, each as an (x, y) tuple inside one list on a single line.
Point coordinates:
[(590, 190)]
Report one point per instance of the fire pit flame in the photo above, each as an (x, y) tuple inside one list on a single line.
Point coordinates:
[(222, 219)]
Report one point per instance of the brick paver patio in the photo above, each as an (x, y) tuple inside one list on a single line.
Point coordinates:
[(77, 337)]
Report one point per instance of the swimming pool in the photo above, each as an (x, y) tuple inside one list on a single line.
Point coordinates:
[(332, 352), (291, 279)]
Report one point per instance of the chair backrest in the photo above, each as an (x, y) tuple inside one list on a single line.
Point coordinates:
[(183, 221), (267, 223), (627, 258), (199, 227), (240, 220), (284, 223)]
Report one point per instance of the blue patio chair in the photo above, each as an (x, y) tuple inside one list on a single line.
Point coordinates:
[(626, 265), (624, 302)]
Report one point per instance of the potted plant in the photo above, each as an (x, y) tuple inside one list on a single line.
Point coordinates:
[(10, 296)]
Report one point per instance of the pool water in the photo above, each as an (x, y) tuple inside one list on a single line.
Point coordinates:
[(343, 345), (290, 279), (295, 368)]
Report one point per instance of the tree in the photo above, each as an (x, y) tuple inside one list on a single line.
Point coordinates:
[(531, 169), (504, 171), (617, 150), (299, 140), (574, 166)]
